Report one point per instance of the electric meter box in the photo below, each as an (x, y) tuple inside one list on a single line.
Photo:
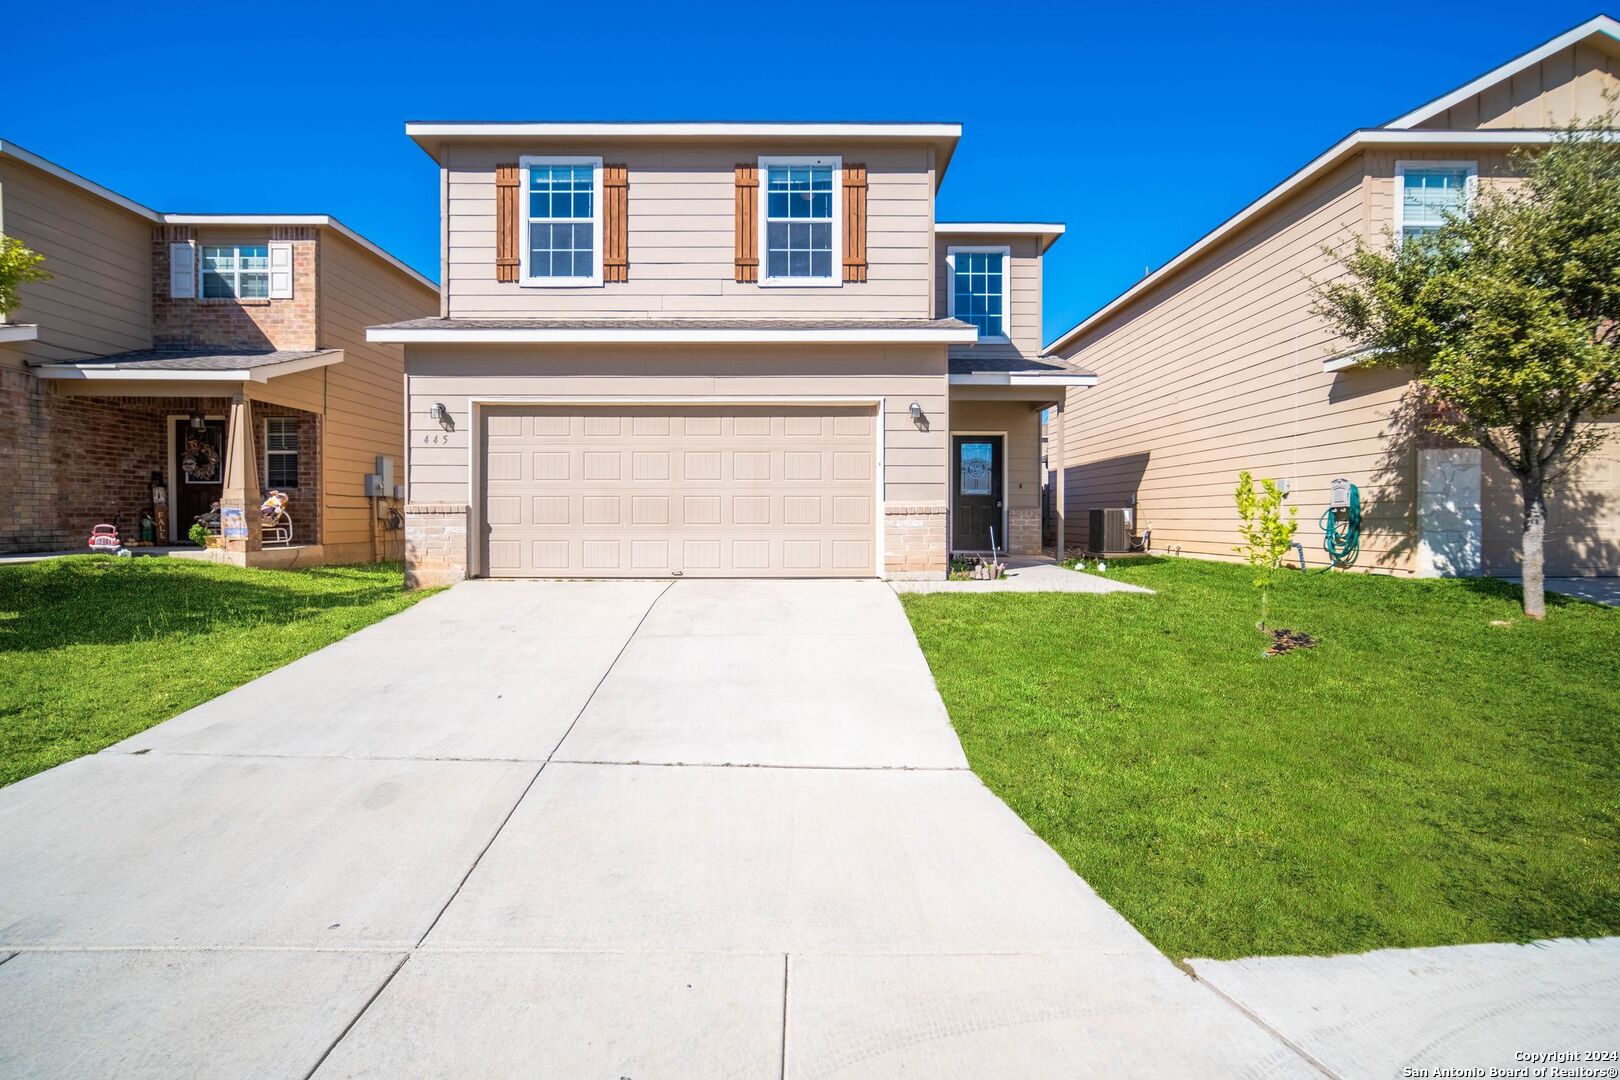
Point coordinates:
[(1339, 494)]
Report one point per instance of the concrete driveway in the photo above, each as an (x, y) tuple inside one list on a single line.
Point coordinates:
[(576, 829)]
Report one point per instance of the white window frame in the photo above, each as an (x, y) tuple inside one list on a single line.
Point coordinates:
[(1470, 186), (525, 279), (836, 279), (235, 276), (281, 453), (1005, 251)]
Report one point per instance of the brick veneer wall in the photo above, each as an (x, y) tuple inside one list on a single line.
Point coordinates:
[(914, 540), (435, 544), (68, 463), (249, 325), (1024, 527)]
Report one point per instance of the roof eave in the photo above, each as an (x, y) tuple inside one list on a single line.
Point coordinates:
[(87, 372), (696, 336)]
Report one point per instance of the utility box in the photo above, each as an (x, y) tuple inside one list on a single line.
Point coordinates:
[(1111, 530), (380, 484)]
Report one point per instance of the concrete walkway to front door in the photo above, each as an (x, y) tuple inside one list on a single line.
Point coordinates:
[(576, 829)]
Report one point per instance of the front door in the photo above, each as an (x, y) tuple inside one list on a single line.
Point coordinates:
[(199, 471), (976, 480)]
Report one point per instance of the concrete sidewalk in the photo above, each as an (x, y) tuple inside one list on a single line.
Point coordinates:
[(576, 829)]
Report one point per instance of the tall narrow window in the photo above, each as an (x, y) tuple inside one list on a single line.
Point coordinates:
[(1428, 193), (564, 222), (800, 205), (979, 289), (236, 270), (281, 452)]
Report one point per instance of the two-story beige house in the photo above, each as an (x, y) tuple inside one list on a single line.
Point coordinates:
[(1214, 362), (719, 349), (174, 362)]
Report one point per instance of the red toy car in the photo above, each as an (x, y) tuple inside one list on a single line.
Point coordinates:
[(104, 538)]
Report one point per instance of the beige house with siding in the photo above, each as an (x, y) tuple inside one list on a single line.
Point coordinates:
[(722, 349), (174, 362), (1213, 363)]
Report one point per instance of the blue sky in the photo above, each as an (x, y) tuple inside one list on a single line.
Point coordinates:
[(1140, 127)]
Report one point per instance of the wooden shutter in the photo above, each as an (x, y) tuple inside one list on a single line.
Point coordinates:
[(508, 222), (854, 222), (182, 271), (281, 271), (615, 223), (747, 223)]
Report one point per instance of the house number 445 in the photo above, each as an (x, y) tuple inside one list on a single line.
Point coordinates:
[(441, 438)]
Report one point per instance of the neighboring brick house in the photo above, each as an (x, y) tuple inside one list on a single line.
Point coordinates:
[(169, 351), (720, 349)]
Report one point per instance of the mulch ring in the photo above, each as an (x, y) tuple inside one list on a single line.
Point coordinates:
[(1288, 640)]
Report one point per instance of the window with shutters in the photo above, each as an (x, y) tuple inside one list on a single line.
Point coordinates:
[(563, 231), (236, 270), (981, 288), (1427, 191), (801, 235), (281, 452)]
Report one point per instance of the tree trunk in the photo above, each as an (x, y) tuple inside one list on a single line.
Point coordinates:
[(1533, 553)]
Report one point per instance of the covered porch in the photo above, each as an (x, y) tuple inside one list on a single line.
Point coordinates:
[(153, 442), (996, 473)]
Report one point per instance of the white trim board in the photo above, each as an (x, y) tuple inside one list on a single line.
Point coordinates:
[(1047, 232), (19, 332), (628, 334), (1021, 378), (614, 129), (1355, 141)]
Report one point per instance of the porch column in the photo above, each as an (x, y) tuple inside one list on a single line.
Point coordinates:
[(1055, 452), (241, 490)]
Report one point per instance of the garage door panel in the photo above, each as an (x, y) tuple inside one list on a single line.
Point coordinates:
[(692, 490)]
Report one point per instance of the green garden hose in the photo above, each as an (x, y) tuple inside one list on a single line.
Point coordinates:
[(1341, 531)]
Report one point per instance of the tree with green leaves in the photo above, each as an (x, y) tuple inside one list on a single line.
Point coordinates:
[(1508, 317), (1267, 532), (17, 265)]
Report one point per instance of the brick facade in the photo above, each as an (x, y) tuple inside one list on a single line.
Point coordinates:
[(914, 540), (249, 325), (1024, 529), (71, 462), (435, 544)]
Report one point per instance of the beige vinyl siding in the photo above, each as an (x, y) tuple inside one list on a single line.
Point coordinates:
[(914, 467), (681, 217), (1568, 84), (1583, 515), (365, 394), (99, 298), (1022, 425), (1220, 369), (1024, 320)]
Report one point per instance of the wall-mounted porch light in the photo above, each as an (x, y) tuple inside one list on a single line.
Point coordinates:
[(198, 423), (441, 416), (918, 418)]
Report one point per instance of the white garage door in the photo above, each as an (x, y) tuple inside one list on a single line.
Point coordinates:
[(699, 491)]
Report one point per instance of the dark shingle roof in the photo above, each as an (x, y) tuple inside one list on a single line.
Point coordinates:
[(979, 365), (185, 360)]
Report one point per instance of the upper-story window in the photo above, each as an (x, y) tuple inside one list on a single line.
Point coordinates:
[(1428, 191), (236, 270), (801, 205), (980, 288), (564, 200)]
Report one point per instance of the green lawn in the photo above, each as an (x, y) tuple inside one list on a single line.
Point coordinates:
[(94, 649), (1421, 777)]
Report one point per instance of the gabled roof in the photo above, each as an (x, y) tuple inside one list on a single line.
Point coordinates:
[(1601, 27), (1399, 132), (324, 221)]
